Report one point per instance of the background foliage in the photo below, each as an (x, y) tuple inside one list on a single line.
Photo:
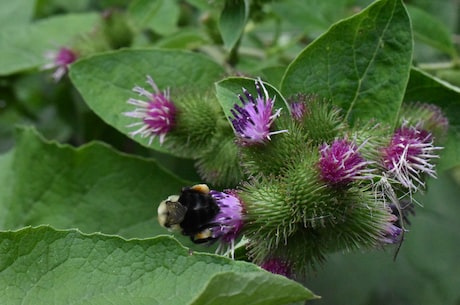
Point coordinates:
[(78, 197)]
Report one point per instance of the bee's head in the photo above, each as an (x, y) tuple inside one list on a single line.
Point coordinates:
[(170, 213)]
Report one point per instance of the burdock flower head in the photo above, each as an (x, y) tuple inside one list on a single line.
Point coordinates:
[(300, 105), (277, 266), (253, 120), (60, 60), (409, 156), (298, 110), (157, 114), (340, 163), (229, 221)]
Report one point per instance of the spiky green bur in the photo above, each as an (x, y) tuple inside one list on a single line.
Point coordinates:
[(267, 217), (298, 217), (196, 124), (321, 121), (358, 227), (272, 157), (361, 223), (220, 165), (371, 137), (354, 225), (116, 29), (311, 201)]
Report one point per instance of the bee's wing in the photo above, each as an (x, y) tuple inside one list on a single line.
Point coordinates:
[(176, 211)]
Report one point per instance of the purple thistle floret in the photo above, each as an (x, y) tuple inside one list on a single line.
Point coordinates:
[(157, 114), (391, 232), (341, 163), (298, 110), (229, 221), (61, 61), (253, 120), (277, 266), (409, 156)]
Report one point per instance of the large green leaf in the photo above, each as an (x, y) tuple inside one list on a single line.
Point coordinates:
[(232, 21), (228, 90), (23, 47), (362, 63), (17, 12), (313, 16), (92, 188), (160, 16), (106, 81), (45, 266), (274, 75), (233, 288), (426, 88)]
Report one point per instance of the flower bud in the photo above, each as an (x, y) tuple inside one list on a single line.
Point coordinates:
[(320, 120), (272, 158), (116, 29), (220, 165), (197, 123), (426, 116)]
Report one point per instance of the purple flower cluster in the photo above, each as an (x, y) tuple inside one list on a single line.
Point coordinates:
[(357, 173)]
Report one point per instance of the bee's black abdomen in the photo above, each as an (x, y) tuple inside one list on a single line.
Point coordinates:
[(201, 209)]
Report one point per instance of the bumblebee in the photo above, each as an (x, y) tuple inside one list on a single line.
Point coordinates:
[(191, 213)]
